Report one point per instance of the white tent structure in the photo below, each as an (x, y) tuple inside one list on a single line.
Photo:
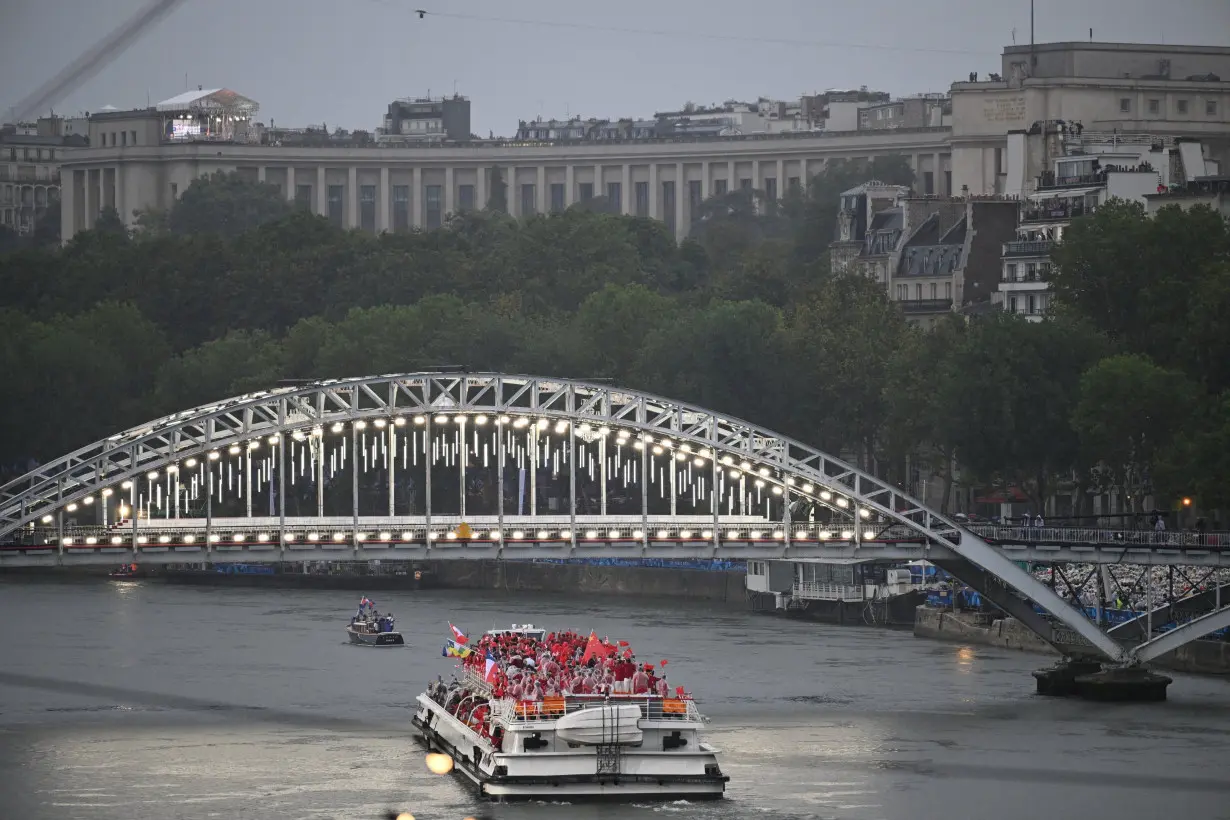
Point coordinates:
[(207, 114)]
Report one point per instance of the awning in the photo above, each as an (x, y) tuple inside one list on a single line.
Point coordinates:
[(1062, 193)]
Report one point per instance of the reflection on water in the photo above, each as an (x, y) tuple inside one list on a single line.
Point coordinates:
[(138, 700)]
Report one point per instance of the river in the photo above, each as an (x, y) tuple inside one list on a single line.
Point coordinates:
[(138, 700)]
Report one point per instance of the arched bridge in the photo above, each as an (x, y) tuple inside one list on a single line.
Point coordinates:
[(458, 465)]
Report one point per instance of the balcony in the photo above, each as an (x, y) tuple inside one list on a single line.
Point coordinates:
[(30, 176), (1060, 210), (1049, 182), (1028, 247), (926, 305)]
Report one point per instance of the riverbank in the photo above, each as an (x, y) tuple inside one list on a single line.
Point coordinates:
[(1197, 657), (721, 585)]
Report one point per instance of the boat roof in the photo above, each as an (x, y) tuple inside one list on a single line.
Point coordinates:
[(519, 629)]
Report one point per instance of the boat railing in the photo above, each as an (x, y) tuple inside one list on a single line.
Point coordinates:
[(552, 708)]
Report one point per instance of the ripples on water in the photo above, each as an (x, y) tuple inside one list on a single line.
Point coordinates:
[(138, 701)]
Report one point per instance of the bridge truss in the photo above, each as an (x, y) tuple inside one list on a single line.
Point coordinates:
[(393, 466)]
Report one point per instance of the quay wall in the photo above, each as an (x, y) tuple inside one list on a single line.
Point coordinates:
[(1197, 657)]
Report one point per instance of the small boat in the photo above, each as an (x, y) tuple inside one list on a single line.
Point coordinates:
[(126, 572), (369, 628)]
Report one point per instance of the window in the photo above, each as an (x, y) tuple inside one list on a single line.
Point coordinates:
[(1181, 105), (918, 292), (948, 182), (720, 187), (668, 205), (174, 190), (335, 204), (1125, 105), (935, 290), (303, 196), (948, 291), (794, 183), (1031, 272), (1210, 108), (587, 191), (1033, 303), (1010, 272), (641, 191), (696, 195), (1155, 106), (556, 192), (367, 208), (465, 197), (123, 139), (133, 141), (928, 182), (434, 205), (529, 199), (770, 188), (745, 184), (615, 197), (1012, 304), (901, 289), (401, 207)]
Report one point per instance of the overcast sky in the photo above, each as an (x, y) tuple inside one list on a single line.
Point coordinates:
[(342, 61)]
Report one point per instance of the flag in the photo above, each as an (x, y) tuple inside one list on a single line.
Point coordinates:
[(489, 672), (623, 643), (594, 648), (458, 635), (664, 663), (679, 691), (453, 649)]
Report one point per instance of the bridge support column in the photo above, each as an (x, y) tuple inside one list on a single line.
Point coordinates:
[(354, 488), (282, 491), (715, 494), (427, 460), (645, 445), (499, 484), (572, 489)]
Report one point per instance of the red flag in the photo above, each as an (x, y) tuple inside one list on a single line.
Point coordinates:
[(458, 635), (594, 648), (664, 663), (623, 643), (627, 653), (679, 691)]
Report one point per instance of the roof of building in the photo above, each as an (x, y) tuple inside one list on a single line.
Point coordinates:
[(889, 219), (208, 99), (873, 184), (930, 260)]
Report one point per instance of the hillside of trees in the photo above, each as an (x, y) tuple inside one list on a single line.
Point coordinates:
[(1125, 389)]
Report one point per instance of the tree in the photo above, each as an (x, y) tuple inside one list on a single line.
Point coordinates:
[(227, 205), (611, 324), (239, 362), (1128, 414), (109, 222)]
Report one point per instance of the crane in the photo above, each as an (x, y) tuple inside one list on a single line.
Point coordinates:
[(93, 60)]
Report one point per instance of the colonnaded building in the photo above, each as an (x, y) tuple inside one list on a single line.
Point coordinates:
[(424, 164)]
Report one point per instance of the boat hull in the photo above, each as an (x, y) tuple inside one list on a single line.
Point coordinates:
[(478, 765), (376, 638)]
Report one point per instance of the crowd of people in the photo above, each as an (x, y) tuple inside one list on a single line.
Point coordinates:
[(564, 663)]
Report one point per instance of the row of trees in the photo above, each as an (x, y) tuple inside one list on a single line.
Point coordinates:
[(232, 290)]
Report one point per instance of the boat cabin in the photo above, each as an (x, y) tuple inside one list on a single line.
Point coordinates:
[(525, 630)]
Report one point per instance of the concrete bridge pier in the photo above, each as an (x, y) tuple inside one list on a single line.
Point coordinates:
[(1091, 680)]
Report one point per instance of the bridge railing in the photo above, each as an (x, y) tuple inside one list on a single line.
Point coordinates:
[(1176, 539), (813, 591)]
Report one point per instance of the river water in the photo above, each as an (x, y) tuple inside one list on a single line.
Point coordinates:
[(137, 700)]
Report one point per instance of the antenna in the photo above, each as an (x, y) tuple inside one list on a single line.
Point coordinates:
[(1033, 57)]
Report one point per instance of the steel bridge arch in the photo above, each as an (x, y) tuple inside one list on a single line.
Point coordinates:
[(724, 442)]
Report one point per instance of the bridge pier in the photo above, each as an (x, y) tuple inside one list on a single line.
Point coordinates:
[(1090, 680)]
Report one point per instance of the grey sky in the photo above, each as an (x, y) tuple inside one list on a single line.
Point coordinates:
[(341, 61)]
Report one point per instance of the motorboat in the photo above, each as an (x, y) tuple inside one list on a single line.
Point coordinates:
[(370, 628), (619, 742)]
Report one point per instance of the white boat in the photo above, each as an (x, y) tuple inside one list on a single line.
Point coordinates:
[(571, 747)]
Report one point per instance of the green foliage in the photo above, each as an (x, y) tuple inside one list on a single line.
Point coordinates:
[(226, 205)]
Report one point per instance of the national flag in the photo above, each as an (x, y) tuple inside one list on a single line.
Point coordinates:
[(664, 663), (595, 648), (367, 602), (679, 691), (458, 635), (452, 649), (489, 673), (624, 643)]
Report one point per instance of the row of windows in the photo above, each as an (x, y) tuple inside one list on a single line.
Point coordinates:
[(31, 154), (113, 138), (1154, 106), (1027, 272), (903, 292)]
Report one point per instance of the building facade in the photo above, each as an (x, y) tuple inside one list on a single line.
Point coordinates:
[(30, 157), (1174, 91), (378, 188)]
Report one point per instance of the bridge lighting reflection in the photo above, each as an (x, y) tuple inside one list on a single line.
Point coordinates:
[(124, 510), (542, 424), (91, 540), (592, 534), (518, 535), (777, 490), (779, 535), (439, 763), (420, 420), (213, 539), (801, 534), (566, 534), (164, 539), (380, 423), (313, 536), (115, 539), (614, 533), (825, 495), (807, 488), (663, 534), (685, 534), (107, 492), (142, 539), (386, 536), (542, 534), (707, 534), (214, 455), (71, 507), (868, 535), (657, 449), (237, 537), (405, 536), (638, 534), (400, 421), (67, 541), (846, 535), (360, 425), (362, 536), (233, 449), (480, 420), (339, 537), (504, 419), (451, 536), (263, 537), (843, 503), (864, 512), (754, 535), (825, 535)]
